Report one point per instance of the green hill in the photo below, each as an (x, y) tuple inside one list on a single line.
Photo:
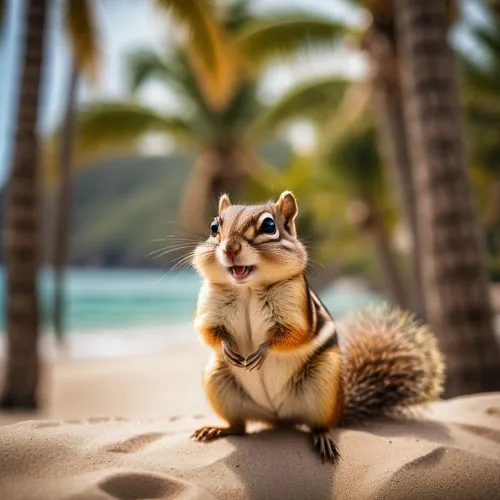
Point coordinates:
[(121, 206)]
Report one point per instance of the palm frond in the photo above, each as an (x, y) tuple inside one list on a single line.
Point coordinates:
[(352, 112), (146, 65), (236, 15), (267, 39), (177, 74), (354, 160), (489, 38), (316, 100), (479, 86), (82, 33), (240, 111), (214, 63), (106, 123), (473, 75)]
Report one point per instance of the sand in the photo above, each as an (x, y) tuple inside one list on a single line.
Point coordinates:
[(119, 429)]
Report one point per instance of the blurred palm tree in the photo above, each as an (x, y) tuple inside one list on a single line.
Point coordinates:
[(377, 41), (218, 132), (81, 32), (21, 226), (481, 98), (348, 162), (354, 165), (454, 274)]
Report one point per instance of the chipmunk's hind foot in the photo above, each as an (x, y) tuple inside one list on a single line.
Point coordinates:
[(324, 445), (209, 433)]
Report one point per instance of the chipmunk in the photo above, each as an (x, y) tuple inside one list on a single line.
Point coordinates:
[(278, 355)]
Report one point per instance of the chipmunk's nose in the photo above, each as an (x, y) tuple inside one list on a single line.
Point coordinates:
[(232, 248)]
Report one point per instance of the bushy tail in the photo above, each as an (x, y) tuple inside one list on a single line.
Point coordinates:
[(391, 364)]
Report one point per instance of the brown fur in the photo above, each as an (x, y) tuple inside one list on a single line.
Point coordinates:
[(213, 336), (392, 365)]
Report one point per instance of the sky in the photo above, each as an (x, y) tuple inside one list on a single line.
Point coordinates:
[(138, 25)]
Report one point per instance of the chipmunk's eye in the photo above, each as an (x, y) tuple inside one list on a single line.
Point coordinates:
[(268, 226), (214, 227)]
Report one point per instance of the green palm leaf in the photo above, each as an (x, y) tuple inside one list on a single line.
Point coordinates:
[(177, 74), (213, 62), (315, 100), (266, 39), (108, 123), (355, 161), (489, 38), (146, 65), (81, 29)]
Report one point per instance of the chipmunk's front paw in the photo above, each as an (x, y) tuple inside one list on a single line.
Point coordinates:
[(210, 433), (232, 357), (324, 444), (255, 360)]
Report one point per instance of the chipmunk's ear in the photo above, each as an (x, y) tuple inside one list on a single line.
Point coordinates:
[(224, 202), (287, 205)]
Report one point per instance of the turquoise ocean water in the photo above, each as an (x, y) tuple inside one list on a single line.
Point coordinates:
[(106, 299)]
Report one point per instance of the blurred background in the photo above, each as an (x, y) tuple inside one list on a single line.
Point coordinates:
[(121, 122)]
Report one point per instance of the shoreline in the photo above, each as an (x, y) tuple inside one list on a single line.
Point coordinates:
[(113, 342)]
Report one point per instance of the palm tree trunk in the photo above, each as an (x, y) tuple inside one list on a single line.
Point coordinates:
[(370, 224), (63, 205), (229, 176), (21, 236), (394, 148), (193, 210), (216, 171), (452, 255)]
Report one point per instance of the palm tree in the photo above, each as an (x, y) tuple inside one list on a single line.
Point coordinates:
[(380, 46), (348, 161), (217, 132), (63, 205), (81, 31), (454, 275), (355, 165), (378, 43), (22, 225), (481, 98)]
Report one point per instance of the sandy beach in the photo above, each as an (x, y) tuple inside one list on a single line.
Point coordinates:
[(98, 374), (118, 428)]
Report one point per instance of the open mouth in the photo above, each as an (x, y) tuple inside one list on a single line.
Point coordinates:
[(241, 272)]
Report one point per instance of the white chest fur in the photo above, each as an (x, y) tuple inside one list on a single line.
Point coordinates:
[(248, 315), (248, 319)]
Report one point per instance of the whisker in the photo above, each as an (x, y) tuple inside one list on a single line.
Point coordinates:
[(164, 251), (179, 245), (158, 251), (176, 246), (186, 259)]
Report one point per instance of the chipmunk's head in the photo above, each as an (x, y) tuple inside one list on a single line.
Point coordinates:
[(252, 244)]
